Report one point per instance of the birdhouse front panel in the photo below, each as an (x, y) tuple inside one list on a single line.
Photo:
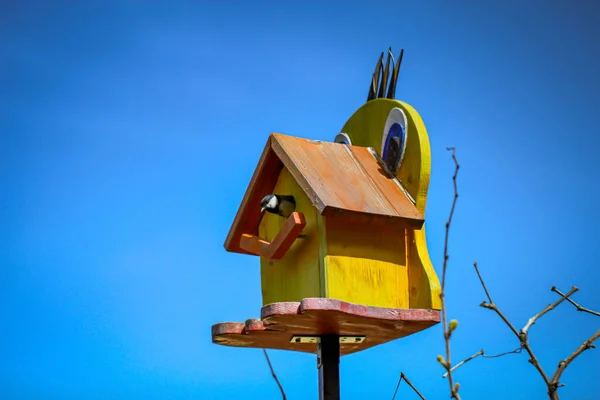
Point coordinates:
[(297, 274)]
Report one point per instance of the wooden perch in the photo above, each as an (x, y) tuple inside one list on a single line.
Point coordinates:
[(281, 243)]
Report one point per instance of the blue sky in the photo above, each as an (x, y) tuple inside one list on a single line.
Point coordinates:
[(129, 131)]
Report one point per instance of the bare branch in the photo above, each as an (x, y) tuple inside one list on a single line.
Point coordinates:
[(549, 307), (449, 222), (562, 365), (579, 308), (402, 376), (493, 307), (447, 363), (398, 385), (522, 336), (483, 283), (482, 353), (412, 386), (479, 353), (515, 351), (275, 375)]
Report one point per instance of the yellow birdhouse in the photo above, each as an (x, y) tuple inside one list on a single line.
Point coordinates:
[(339, 229), (350, 237)]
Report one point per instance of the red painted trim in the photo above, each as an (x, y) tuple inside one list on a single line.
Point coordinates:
[(319, 316)]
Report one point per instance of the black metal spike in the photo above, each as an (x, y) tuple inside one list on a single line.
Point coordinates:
[(375, 79), (391, 72), (386, 71), (391, 94)]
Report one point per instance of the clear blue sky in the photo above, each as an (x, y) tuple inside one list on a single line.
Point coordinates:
[(129, 131)]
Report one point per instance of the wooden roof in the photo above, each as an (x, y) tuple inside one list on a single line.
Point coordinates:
[(336, 177)]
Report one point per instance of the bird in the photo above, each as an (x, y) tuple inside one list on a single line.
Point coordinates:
[(281, 205)]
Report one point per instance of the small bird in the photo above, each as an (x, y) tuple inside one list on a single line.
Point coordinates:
[(278, 204)]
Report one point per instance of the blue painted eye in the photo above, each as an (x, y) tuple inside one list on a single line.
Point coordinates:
[(394, 139)]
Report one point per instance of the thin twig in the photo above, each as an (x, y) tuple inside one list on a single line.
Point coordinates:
[(515, 351), (402, 376), (483, 283), (479, 353), (482, 353), (492, 306), (549, 307), (579, 307), (522, 336), (412, 386), (447, 363), (274, 375), (562, 365), (398, 385)]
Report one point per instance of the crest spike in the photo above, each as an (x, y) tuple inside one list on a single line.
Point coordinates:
[(384, 78), (391, 94), (375, 79)]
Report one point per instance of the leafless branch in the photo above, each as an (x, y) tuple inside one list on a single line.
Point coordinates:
[(274, 375), (522, 336), (491, 304), (402, 376), (579, 308), (482, 353), (563, 364), (479, 353), (412, 386), (483, 283), (549, 307), (447, 363), (552, 384)]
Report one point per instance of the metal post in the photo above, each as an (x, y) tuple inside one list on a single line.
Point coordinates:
[(328, 362)]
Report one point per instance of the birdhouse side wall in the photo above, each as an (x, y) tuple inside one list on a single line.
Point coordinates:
[(297, 274), (366, 264), (424, 284)]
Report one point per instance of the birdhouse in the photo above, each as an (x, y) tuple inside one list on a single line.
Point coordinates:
[(349, 237), (339, 229)]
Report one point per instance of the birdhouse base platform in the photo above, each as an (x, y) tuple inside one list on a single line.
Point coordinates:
[(317, 317)]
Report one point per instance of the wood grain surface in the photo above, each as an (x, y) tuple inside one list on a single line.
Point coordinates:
[(319, 316), (282, 242)]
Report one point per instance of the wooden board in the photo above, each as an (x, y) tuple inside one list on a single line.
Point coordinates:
[(248, 215), (366, 266), (320, 316), (281, 243), (345, 178)]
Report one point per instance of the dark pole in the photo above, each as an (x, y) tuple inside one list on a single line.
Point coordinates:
[(328, 362)]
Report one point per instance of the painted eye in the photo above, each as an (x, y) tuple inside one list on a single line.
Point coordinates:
[(394, 139)]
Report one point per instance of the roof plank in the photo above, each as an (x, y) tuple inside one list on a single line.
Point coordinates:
[(336, 177)]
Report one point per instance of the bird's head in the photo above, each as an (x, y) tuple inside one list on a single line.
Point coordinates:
[(393, 129), (269, 203)]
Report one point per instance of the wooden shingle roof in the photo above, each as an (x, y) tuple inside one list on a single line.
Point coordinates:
[(336, 177)]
